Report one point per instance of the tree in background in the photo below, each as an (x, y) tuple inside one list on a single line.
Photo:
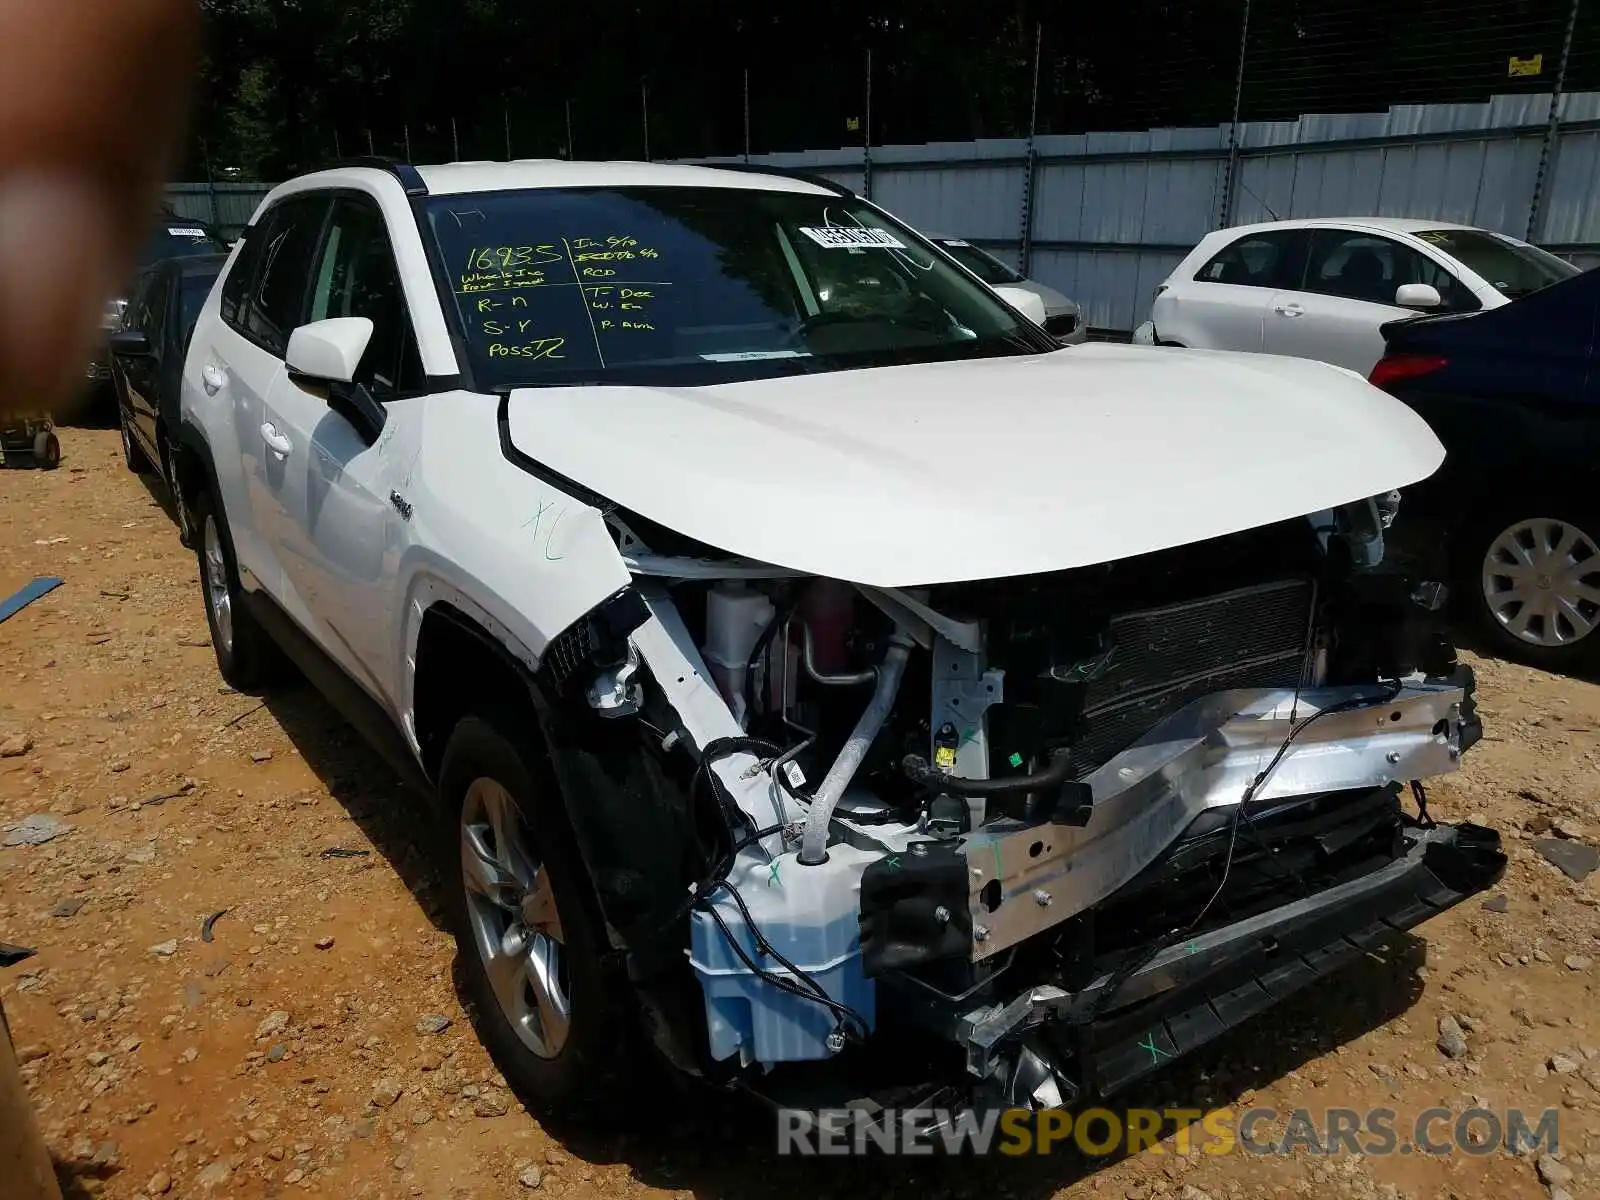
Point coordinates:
[(289, 84)]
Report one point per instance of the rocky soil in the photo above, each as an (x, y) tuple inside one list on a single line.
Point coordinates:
[(242, 985)]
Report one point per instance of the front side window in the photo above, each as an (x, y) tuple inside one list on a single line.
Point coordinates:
[(196, 290), (153, 308), (277, 301), (137, 314), (1365, 266), (979, 261), (1512, 268), (688, 285), (1267, 260), (357, 277)]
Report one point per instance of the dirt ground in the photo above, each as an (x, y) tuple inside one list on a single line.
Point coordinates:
[(314, 1044)]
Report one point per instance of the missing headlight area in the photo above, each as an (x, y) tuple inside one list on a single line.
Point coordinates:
[(993, 834)]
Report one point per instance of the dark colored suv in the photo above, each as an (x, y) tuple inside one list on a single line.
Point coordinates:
[(147, 362), (172, 237)]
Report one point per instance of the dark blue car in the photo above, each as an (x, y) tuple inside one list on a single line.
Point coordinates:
[(1514, 395)]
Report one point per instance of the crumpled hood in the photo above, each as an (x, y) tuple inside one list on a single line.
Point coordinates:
[(935, 473)]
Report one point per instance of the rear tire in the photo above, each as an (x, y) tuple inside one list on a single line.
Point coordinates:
[(247, 656), (531, 950), (1529, 578)]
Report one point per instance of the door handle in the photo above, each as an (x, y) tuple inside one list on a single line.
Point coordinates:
[(1288, 310), (213, 378), (276, 442)]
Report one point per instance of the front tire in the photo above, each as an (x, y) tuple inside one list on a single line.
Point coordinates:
[(531, 952), (247, 656), (133, 457), (1532, 579)]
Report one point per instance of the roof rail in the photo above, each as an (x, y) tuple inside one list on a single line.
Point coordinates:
[(821, 181), (410, 178)]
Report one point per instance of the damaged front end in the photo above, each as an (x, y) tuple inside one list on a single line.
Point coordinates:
[(1030, 838)]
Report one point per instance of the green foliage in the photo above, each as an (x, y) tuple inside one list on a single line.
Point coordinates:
[(289, 84)]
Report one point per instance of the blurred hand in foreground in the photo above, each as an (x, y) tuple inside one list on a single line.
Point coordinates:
[(93, 95)]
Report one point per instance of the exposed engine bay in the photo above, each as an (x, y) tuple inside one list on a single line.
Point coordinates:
[(998, 834)]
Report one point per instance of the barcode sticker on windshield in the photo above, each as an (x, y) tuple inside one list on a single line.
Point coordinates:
[(185, 231), (852, 237)]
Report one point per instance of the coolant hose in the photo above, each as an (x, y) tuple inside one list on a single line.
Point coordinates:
[(814, 844)]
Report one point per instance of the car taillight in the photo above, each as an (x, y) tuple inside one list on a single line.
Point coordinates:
[(1392, 368)]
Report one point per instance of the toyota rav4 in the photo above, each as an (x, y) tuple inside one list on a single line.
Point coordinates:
[(829, 683)]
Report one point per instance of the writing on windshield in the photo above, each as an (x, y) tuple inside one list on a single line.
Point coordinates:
[(592, 291)]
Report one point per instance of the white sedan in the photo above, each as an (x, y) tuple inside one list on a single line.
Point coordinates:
[(1323, 288), (1062, 317)]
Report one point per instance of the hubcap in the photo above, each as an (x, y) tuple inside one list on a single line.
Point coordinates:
[(513, 918), (1541, 580), (217, 594)]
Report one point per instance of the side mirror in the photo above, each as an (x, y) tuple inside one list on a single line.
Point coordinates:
[(1418, 295), (329, 351), (1029, 304), (130, 343)]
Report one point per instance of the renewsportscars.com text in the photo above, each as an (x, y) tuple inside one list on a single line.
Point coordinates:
[(1099, 1131)]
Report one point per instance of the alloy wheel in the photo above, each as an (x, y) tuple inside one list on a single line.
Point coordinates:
[(218, 594), (512, 916)]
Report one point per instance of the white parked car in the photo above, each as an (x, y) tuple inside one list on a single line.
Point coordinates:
[(1062, 317), (1322, 288), (815, 665)]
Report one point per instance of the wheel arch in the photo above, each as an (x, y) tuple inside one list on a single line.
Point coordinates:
[(193, 468), (460, 661)]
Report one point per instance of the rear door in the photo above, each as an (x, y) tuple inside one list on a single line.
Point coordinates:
[(1347, 293), (1224, 306), (242, 361)]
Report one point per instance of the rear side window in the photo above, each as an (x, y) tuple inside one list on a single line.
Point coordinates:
[(1270, 260)]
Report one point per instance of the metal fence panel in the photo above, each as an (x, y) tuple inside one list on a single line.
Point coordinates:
[(228, 206), (979, 202), (1112, 211), (1572, 206)]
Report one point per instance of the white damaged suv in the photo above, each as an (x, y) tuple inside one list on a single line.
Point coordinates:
[(831, 686)]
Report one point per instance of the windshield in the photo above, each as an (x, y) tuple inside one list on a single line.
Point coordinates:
[(980, 262), (701, 285), (1512, 268), (179, 239)]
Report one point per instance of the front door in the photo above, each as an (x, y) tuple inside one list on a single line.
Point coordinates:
[(1348, 293), (341, 549)]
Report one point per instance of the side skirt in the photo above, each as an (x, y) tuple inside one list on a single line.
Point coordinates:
[(370, 719)]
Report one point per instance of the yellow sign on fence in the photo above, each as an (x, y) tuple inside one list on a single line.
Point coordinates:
[(1525, 66)]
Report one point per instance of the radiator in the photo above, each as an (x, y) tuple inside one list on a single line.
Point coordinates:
[(1166, 657)]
